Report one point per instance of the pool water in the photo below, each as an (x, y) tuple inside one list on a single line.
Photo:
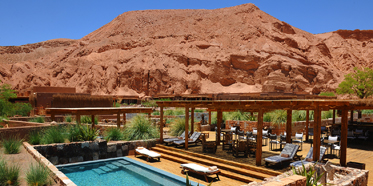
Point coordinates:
[(119, 171)]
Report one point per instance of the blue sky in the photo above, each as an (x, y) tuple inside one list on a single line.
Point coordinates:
[(31, 21)]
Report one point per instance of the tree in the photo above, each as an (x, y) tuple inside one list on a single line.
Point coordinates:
[(359, 83)]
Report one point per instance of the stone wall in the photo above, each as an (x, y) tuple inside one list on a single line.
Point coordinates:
[(63, 153), (19, 129)]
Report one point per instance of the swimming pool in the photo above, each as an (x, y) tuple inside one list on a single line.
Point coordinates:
[(119, 171)]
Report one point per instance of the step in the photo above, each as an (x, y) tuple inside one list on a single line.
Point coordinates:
[(235, 164), (253, 174), (224, 173)]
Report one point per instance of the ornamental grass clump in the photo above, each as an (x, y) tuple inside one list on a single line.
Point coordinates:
[(12, 145), (55, 134), (140, 128), (178, 126), (38, 175), (34, 137), (82, 133), (114, 134), (37, 120), (311, 177), (9, 174)]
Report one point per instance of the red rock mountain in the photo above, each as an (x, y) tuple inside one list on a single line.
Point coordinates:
[(237, 50)]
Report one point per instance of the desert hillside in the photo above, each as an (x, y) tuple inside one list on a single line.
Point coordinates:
[(232, 50)]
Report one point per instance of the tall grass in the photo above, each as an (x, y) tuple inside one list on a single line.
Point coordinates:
[(82, 133), (199, 110), (327, 114), (8, 173), (12, 145), (68, 118), (237, 115), (177, 127), (34, 137), (156, 113), (330, 94), (88, 119), (299, 115), (38, 175), (367, 111), (37, 120), (113, 134), (55, 134), (140, 128)]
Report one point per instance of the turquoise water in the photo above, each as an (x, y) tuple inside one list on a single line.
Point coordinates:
[(119, 172)]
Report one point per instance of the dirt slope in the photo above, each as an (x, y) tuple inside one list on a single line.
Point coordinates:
[(236, 49)]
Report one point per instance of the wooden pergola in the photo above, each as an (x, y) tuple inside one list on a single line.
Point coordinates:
[(98, 111), (262, 106)]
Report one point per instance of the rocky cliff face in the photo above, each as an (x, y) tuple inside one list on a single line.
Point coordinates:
[(237, 49)]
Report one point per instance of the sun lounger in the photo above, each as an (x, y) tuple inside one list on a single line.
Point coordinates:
[(170, 140), (309, 158), (200, 170), (193, 139), (287, 154), (147, 153)]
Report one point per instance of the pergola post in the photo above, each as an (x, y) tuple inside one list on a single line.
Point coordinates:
[(218, 125), (344, 128), (259, 138), (209, 117), (124, 118), (118, 120), (192, 118), (93, 121), (317, 134), (186, 127), (161, 126), (77, 118), (333, 117), (288, 125), (307, 123)]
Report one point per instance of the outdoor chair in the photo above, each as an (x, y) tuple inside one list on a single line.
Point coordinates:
[(195, 138), (273, 140), (251, 148), (298, 139), (208, 146), (227, 141), (200, 170), (350, 134), (309, 158), (310, 133), (170, 140), (240, 147), (249, 136), (265, 137), (358, 133), (365, 136), (282, 140), (287, 154), (323, 130), (147, 153)]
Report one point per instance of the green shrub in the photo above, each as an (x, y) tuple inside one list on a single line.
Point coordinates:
[(330, 94), (8, 174), (299, 115), (38, 175), (88, 120), (54, 134), (363, 112), (199, 110), (37, 120), (140, 128), (34, 137), (113, 133), (82, 133), (12, 145), (156, 113), (150, 103), (214, 117), (22, 109), (68, 118), (116, 104), (267, 117), (279, 116), (237, 115), (327, 114)]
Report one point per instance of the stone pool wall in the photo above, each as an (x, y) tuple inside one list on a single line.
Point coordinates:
[(333, 175), (63, 153)]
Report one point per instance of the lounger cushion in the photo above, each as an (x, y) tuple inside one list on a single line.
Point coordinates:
[(285, 155), (277, 159), (198, 168), (148, 153), (309, 159), (299, 163)]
